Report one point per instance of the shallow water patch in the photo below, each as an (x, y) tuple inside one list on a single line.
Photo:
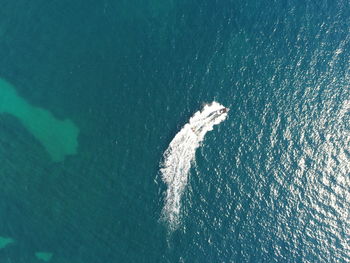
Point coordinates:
[(5, 241), (59, 137), (44, 256)]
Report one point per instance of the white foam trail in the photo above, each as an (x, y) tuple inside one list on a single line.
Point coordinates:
[(181, 153)]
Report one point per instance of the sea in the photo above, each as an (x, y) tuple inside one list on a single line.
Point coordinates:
[(108, 152)]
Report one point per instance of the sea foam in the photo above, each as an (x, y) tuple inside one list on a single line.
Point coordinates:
[(181, 153)]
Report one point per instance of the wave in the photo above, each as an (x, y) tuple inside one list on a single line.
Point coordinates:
[(181, 153)]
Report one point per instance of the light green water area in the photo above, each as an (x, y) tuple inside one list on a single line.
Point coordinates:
[(45, 256), (59, 137), (4, 241)]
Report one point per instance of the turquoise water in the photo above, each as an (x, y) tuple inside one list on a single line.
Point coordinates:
[(269, 184)]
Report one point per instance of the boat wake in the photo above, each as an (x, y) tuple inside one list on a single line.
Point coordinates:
[(181, 153)]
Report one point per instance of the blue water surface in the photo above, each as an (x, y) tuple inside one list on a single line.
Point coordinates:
[(270, 184)]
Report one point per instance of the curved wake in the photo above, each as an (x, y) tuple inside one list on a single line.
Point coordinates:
[(180, 154)]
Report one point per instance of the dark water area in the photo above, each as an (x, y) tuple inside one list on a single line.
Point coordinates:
[(269, 184)]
